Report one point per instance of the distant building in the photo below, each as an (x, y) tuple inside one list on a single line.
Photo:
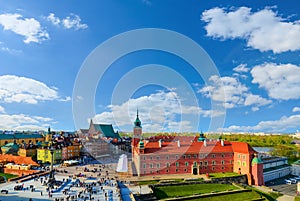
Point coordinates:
[(28, 150), (192, 155), (295, 169), (20, 138), (99, 131), (275, 167), (44, 155)]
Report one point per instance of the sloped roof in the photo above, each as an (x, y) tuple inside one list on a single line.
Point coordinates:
[(19, 136), (242, 147), (188, 147), (17, 159), (107, 130)]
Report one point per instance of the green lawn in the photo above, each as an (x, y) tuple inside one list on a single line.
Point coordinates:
[(191, 189), (297, 198), (244, 196), (225, 174), (8, 176)]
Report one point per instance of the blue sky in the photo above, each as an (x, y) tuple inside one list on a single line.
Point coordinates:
[(254, 46)]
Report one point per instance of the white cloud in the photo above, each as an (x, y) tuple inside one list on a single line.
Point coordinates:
[(23, 122), (54, 20), (296, 109), (30, 28), (281, 125), (2, 110), (70, 22), (160, 111), (26, 90), (230, 92), (263, 30), (281, 81), (242, 68), (252, 99)]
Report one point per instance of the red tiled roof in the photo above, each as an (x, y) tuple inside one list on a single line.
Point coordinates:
[(242, 147), (17, 159)]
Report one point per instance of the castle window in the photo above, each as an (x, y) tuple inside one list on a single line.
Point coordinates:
[(176, 157), (150, 157), (168, 164), (195, 164), (186, 163), (239, 162), (177, 164), (167, 157), (223, 167), (144, 165), (239, 155), (213, 155), (185, 170), (145, 172), (200, 155), (157, 157), (213, 162), (213, 168), (244, 163), (157, 165), (150, 165), (144, 157), (167, 171), (205, 163), (223, 155), (222, 162), (195, 155), (200, 163), (183, 156), (189, 156), (176, 170), (244, 157)]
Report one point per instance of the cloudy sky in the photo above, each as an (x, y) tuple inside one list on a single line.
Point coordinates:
[(253, 86)]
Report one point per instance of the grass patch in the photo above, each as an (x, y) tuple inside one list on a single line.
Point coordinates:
[(225, 174), (148, 182), (191, 189), (243, 196), (269, 196), (8, 176), (297, 198)]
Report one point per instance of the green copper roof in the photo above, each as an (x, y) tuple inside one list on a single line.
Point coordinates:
[(137, 121), (256, 160), (107, 130), (141, 144), (19, 136)]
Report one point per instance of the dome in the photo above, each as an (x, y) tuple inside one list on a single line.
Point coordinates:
[(256, 160)]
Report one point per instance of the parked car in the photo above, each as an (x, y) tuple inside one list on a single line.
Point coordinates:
[(297, 178), (287, 181), (294, 181)]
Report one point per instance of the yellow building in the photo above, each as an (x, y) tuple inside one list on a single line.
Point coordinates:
[(44, 155), (27, 152), (20, 138)]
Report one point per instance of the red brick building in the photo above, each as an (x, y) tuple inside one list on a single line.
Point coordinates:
[(193, 155)]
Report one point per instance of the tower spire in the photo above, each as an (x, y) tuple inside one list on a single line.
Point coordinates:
[(137, 121)]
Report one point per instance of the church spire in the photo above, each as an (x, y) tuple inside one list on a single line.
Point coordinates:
[(137, 121)]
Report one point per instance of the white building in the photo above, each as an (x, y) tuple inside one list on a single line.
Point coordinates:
[(296, 168), (275, 167)]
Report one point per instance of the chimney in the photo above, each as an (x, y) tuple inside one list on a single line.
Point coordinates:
[(222, 143), (204, 142), (159, 143), (178, 143)]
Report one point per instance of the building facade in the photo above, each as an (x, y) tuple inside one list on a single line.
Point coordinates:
[(193, 155)]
